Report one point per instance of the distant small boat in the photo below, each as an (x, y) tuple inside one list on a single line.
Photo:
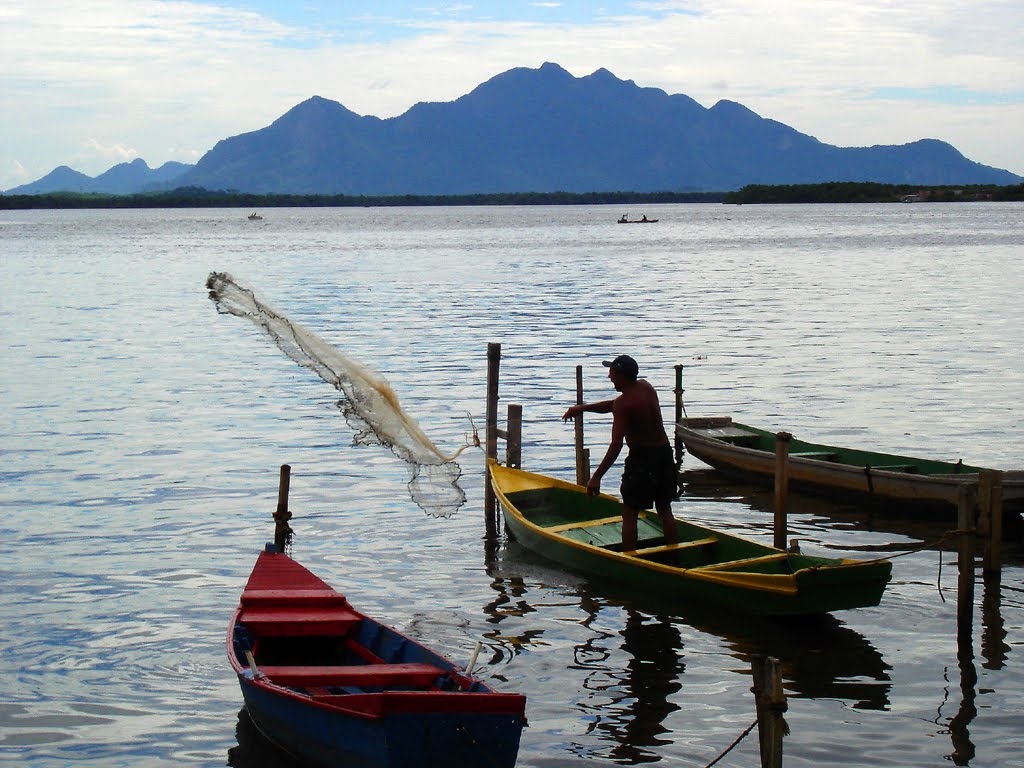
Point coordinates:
[(255, 217), (558, 520), (332, 686), (644, 220)]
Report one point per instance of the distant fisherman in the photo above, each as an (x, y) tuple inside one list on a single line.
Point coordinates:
[(649, 473)]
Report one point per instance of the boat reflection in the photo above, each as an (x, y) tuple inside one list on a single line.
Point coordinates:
[(710, 485), (254, 750), (632, 659)]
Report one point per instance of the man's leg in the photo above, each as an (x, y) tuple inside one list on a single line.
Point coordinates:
[(668, 523), (629, 516)]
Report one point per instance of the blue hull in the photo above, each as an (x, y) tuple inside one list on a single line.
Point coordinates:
[(407, 740)]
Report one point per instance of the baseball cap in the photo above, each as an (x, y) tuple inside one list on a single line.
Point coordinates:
[(624, 364)]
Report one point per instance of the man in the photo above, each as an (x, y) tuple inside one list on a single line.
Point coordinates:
[(649, 473)]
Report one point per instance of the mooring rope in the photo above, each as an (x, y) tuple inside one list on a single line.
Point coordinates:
[(955, 533), (730, 748), (941, 540)]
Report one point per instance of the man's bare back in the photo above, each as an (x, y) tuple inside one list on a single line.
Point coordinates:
[(640, 414)]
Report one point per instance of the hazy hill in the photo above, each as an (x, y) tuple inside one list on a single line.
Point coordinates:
[(122, 179), (542, 130)]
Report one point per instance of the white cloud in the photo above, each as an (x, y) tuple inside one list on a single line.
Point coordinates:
[(169, 79)]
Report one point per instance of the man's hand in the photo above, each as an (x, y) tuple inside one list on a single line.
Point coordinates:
[(594, 486), (572, 412)]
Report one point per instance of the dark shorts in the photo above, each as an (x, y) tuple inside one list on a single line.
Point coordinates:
[(649, 477)]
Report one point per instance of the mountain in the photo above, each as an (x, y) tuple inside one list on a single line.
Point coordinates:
[(544, 130), (122, 179)]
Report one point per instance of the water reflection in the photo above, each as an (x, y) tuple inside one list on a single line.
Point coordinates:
[(993, 634), (632, 661), (994, 649), (959, 724), (710, 485), (254, 750), (650, 678)]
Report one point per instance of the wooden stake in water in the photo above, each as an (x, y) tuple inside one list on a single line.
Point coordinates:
[(282, 531), (514, 437), (491, 437), (781, 486), (582, 454), (990, 500), (770, 701)]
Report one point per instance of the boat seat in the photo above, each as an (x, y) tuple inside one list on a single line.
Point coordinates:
[(298, 621), (584, 524), (694, 544), (894, 467), (739, 437), (816, 455), (410, 675), (732, 564), (292, 597)]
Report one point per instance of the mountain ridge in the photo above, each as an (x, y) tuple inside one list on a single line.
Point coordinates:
[(533, 130)]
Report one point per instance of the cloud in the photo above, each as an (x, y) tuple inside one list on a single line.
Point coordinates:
[(169, 79), (109, 155)]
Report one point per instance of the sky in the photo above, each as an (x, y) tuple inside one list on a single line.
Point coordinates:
[(92, 84)]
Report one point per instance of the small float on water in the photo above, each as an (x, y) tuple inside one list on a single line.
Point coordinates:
[(624, 219)]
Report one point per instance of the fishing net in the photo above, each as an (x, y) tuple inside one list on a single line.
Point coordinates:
[(370, 406)]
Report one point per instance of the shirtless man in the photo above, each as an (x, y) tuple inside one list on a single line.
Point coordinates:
[(649, 474)]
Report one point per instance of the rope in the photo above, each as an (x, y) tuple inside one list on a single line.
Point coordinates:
[(729, 749), (941, 540), (955, 533)]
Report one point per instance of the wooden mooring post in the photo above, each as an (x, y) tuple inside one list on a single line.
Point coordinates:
[(491, 436), (781, 486), (283, 531), (990, 519), (582, 452), (512, 434), (770, 700), (680, 412)]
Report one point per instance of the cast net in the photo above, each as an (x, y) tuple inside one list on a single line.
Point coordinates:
[(370, 406)]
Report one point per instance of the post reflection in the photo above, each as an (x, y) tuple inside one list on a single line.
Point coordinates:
[(959, 725), (994, 647)]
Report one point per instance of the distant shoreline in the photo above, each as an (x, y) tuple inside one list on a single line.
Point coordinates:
[(200, 198), (836, 192)]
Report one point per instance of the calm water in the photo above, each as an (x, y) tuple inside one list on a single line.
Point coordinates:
[(143, 435)]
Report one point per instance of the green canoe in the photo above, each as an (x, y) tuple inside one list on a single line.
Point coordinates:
[(747, 451), (559, 521)]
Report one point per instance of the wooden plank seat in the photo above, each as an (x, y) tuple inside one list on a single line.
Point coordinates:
[(816, 455), (693, 544), (307, 598), (411, 675), (894, 467), (298, 621), (731, 564), (583, 524)]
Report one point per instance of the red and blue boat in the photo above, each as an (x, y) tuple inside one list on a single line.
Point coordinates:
[(332, 686)]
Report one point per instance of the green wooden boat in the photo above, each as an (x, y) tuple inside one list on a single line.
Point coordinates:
[(904, 481), (559, 521)]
